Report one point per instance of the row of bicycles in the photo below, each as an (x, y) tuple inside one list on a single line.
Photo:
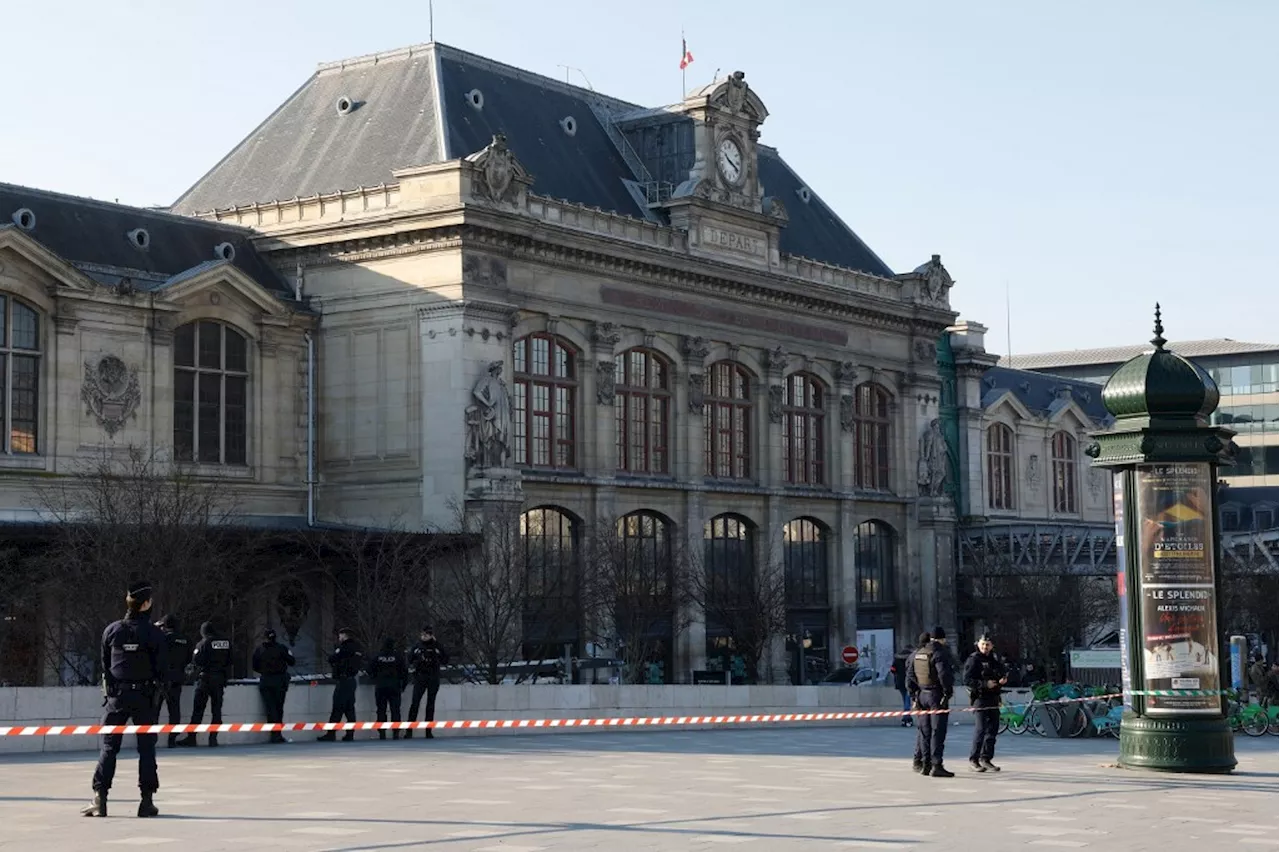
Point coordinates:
[(1071, 709)]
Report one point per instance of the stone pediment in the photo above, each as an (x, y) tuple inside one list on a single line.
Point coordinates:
[(34, 253), (218, 280)]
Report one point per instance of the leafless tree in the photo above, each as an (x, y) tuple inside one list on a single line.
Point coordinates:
[(635, 598), (750, 608), (126, 514)]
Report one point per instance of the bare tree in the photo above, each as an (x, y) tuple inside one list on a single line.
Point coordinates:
[(126, 514), (749, 608)]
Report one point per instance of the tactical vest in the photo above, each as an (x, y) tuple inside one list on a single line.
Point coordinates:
[(923, 665)]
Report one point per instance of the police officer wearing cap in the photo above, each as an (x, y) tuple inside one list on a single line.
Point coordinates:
[(212, 661), (347, 661), (390, 675), (425, 660), (177, 658), (931, 682), (984, 675), (271, 661), (133, 667)]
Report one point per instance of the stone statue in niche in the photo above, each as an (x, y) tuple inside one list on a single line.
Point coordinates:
[(847, 413), (697, 392), (111, 392), (606, 382), (775, 403), (1033, 471), (934, 465), (489, 421)]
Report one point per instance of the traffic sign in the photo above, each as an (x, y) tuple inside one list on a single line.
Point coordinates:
[(849, 655)]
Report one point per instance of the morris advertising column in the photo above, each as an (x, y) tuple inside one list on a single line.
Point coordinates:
[(1164, 455)]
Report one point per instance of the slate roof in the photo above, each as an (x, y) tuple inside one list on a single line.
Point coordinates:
[(1120, 354), (93, 236), (412, 109), (1039, 392)]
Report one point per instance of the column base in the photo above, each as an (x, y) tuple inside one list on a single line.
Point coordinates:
[(1177, 744)]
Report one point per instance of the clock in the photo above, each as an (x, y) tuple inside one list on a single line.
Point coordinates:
[(729, 159)]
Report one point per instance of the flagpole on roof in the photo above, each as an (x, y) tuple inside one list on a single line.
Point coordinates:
[(684, 50)]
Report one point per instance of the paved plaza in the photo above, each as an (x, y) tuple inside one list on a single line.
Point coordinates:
[(755, 789)]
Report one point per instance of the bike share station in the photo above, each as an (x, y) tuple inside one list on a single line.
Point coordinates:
[(1164, 455)]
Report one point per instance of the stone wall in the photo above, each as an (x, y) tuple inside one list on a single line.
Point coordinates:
[(83, 706)]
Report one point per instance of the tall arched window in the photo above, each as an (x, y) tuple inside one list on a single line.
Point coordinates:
[(545, 396), (640, 601), (874, 555), (1064, 473), (20, 374), (550, 538), (210, 394), (645, 539), (804, 553), (803, 416), (727, 421), (642, 410), (729, 572), (871, 437), (1000, 467)]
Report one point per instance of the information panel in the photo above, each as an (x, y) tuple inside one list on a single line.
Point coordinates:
[(1176, 565)]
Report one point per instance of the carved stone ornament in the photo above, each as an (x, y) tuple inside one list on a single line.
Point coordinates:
[(775, 359), (605, 334), (498, 170), (775, 403), (484, 271), (847, 413), (1095, 482), (926, 351), (735, 95), (488, 420), (1033, 471), (696, 348), (936, 281), (606, 382), (697, 392), (111, 392), (846, 371), (934, 465), (774, 207)]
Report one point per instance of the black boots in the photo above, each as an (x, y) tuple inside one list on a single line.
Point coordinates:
[(940, 771), (189, 741), (382, 735), (348, 736), (98, 808), (327, 737), (173, 740), (213, 741), (147, 808), (408, 735), (989, 766)]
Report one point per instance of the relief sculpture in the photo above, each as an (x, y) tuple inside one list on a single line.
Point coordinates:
[(489, 421)]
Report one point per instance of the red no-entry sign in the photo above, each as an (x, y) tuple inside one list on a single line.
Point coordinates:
[(849, 655)]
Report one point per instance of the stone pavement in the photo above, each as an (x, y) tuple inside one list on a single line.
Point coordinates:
[(756, 789)]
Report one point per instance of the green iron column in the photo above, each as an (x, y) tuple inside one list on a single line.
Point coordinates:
[(1164, 455)]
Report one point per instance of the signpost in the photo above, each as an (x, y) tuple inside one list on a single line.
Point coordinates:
[(849, 655)]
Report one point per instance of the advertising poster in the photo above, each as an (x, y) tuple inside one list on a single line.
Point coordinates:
[(1126, 677), (1176, 565)]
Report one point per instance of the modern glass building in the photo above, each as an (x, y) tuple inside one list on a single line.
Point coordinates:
[(1248, 377)]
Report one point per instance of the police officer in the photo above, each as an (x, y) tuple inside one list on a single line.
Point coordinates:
[(425, 661), (212, 660), (347, 661), (984, 675), (930, 682), (900, 662), (177, 657), (390, 676), (133, 667), (271, 661)]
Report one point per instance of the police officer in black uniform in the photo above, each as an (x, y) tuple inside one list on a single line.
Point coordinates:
[(390, 675), (425, 661), (212, 660), (133, 668), (984, 675), (347, 661), (931, 682), (271, 661), (177, 657)]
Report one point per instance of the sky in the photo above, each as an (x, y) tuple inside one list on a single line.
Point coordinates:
[(1072, 163)]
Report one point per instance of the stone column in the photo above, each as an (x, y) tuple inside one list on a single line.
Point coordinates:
[(271, 408), (691, 464), (691, 647), (600, 442), (773, 395), (158, 403)]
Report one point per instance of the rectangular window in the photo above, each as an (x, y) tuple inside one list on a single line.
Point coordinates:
[(521, 435), (23, 411)]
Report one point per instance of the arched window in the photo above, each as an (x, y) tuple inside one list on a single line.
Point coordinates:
[(550, 538), (546, 385), (210, 394), (645, 561), (1000, 467), (1064, 473), (871, 437), (729, 580), (642, 409), (874, 551), (20, 374), (639, 601), (802, 430), (804, 553), (727, 421)]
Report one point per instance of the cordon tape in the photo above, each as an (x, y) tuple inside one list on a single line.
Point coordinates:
[(486, 724)]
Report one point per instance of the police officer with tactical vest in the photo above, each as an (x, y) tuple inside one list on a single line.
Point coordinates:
[(212, 661), (347, 661), (390, 675), (931, 682), (133, 669), (271, 661), (984, 675), (177, 658), (425, 660)]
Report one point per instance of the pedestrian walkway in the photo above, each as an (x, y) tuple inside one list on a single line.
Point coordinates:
[(753, 789)]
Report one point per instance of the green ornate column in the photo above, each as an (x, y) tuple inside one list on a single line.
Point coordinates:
[(1165, 454)]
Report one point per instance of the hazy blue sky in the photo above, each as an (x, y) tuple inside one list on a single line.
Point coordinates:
[(1092, 156)]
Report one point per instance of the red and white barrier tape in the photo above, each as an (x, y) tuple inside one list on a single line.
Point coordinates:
[(479, 724)]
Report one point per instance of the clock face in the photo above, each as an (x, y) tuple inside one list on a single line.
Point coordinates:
[(729, 158)]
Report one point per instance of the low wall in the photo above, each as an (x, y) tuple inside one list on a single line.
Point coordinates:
[(83, 706)]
